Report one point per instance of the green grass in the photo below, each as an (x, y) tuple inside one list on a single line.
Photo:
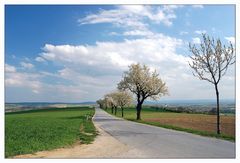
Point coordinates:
[(37, 130), (149, 112)]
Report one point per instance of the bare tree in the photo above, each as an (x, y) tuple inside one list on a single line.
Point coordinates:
[(143, 83), (210, 62)]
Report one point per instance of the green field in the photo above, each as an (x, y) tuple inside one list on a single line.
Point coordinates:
[(201, 124), (32, 131)]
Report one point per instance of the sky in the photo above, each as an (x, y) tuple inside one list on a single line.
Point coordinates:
[(77, 53)]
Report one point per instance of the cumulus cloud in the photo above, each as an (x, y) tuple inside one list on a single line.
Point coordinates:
[(113, 34), (79, 87), (27, 65), (23, 79), (35, 84), (89, 71), (39, 59), (92, 70), (9, 68), (114, 56), (138, 33), (109, 59)]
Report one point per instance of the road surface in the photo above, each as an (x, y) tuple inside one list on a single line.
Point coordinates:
[(156, 142)]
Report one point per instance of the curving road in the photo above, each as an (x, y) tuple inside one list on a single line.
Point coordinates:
[(155, 142)]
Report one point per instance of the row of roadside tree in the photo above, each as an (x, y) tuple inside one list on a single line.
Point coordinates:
[(116, 100), (139, 81)]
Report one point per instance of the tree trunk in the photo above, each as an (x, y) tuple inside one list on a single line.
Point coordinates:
[(122, 112), (139, 108), (218, 110)]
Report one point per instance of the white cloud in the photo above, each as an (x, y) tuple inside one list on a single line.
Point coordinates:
[(197, 6), (9, 68), (120, 17), (24, 80), (80, 88), (138, 33), (27, 65), (102, 67), (90, 71), (133, 15), (230, 39), (200, 31), (136, 9), (114, 55), (113, 33), (39, 59), (196, 40)]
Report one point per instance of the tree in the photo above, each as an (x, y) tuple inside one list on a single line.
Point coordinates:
[(116, 99), (123, 99), (101, 103), (143, 83), (111, 102), (210, 62)]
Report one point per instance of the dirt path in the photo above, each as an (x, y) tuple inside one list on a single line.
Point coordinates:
[(104, 146)]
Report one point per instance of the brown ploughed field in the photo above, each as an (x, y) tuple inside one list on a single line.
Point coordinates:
[(197, 122)]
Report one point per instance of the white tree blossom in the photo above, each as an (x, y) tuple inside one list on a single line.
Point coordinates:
[(143, 83)]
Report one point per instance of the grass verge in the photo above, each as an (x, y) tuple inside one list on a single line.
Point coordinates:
[(37, 130)]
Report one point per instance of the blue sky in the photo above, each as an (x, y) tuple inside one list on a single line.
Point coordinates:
[(78, 53)]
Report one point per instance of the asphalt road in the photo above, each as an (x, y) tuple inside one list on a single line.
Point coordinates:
[(156, 142)]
